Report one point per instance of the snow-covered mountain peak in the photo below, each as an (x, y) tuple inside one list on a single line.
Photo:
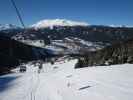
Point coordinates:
[(57, 22), (8, 26)]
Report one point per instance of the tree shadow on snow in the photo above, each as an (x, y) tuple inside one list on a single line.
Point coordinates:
[(85, 87), (5, 82)]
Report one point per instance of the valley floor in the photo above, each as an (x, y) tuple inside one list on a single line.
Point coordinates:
[(62, 82)]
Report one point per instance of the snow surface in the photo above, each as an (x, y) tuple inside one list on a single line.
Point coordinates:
[(37, 43), (62, 82), (57, 22)]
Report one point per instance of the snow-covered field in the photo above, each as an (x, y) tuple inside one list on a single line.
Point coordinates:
[(62, 82)]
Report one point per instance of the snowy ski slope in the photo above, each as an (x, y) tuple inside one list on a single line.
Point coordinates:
[(62, 82)]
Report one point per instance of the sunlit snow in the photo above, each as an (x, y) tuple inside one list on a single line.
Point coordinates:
[(62, 82)]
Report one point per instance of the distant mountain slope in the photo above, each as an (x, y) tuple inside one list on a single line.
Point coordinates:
[(8, 27), (43, 33), (59, 29), (87, 33), (74, 45), (118, 53)]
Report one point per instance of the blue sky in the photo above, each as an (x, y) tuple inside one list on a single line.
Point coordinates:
[(105, 12)]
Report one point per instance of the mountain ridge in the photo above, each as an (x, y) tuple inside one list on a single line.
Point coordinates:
[(8, 27), (50, 23), (57, 22)]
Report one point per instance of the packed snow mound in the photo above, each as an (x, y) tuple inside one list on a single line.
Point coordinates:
[(57, 22), (8, 26)]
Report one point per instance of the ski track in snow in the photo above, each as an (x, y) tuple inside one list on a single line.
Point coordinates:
[(66, 83)]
